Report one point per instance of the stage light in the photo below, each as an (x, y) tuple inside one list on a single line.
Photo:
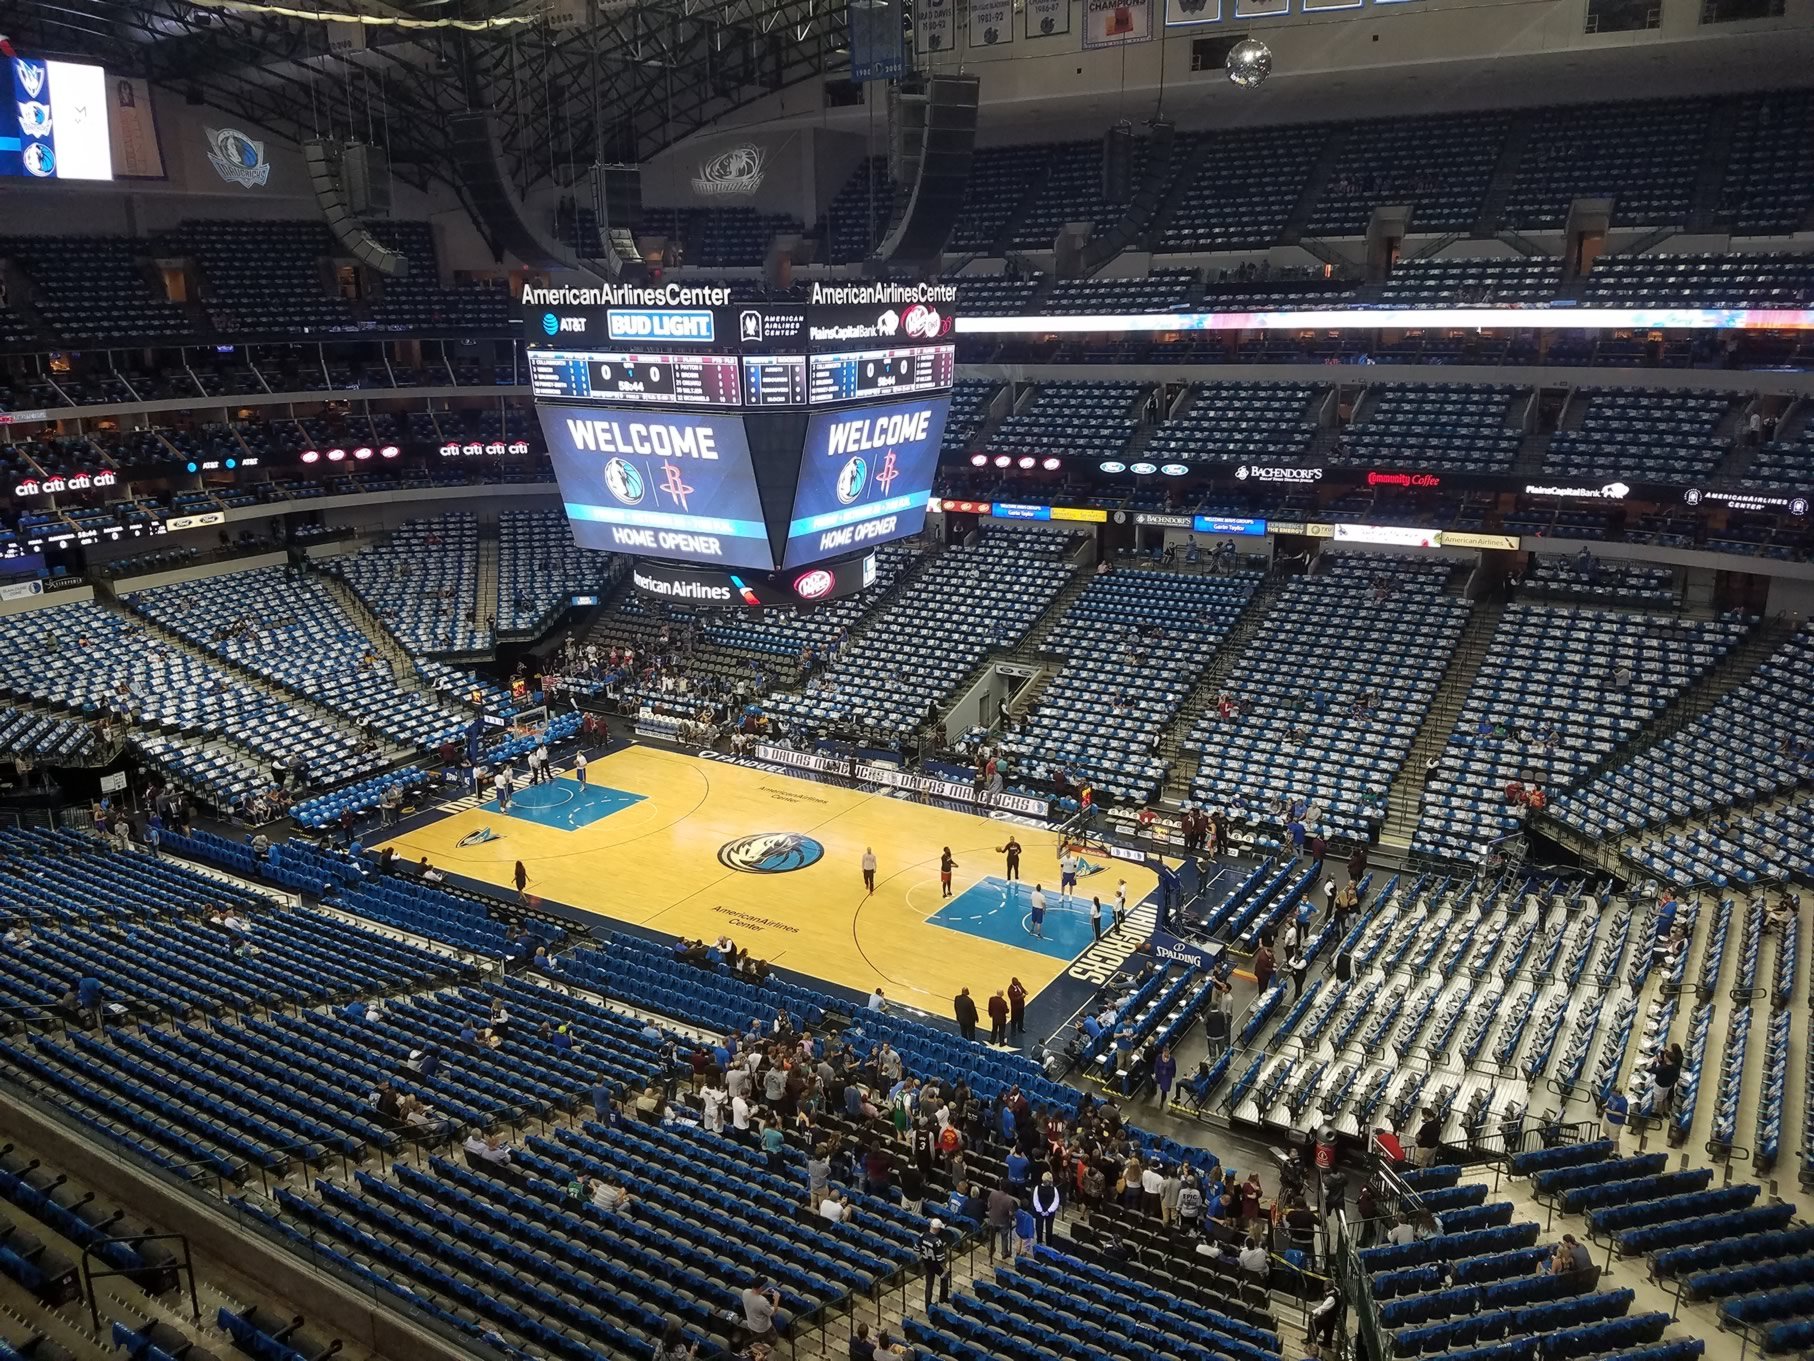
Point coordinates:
[(1002, 460), (1026, 461), (390, 451), (311, 456), (362, 453), (336, 455), (1052, 465), (979, 460)]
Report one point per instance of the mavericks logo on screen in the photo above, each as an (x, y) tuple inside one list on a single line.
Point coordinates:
[(852, 479), (623, 479), (770, 853)]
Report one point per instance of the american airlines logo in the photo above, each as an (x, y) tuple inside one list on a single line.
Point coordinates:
[(862, 435)]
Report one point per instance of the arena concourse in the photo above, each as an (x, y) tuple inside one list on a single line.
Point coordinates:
[(1062, 682)]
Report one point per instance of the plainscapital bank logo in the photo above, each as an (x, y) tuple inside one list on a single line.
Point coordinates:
[(733, 173), (770, 853), (237, 157)]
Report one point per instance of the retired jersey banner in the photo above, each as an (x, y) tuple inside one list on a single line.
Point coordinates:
[(136, 154), (991, 23), (935, 26), (1048, 18), (1117, 23)]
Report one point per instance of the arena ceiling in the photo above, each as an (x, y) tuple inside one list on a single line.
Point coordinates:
[(571, 81)]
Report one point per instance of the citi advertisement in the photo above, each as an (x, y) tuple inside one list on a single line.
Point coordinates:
[(865, 478), (658, 484)]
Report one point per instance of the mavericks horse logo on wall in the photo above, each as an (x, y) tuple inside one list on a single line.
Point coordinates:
[(770, 853)]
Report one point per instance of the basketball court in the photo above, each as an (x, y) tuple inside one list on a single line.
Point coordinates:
[(698, 848)]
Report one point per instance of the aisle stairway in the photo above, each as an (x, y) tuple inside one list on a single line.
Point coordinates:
[(1404, 802)]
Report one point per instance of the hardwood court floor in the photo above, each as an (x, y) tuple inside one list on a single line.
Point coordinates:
[(648, 841)]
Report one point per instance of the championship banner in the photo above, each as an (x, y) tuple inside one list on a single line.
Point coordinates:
[(136, 153), (875, 41), (935, 26), (1117, 23), (1048, 18), (991, 23)]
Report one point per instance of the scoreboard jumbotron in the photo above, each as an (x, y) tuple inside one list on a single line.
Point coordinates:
[(767, 438)]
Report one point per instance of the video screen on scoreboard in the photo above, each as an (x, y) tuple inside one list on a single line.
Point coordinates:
[(865, 477), (870, 375), (639, 379), (56, 127), (661, 484)]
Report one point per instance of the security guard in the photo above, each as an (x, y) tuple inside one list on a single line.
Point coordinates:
[(935, 1257)]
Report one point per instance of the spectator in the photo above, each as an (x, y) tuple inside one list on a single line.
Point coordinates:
[(1429, 1139), (1046, 1202), (673, 1345), (935, 1263), (1000, 1221), (998, 1018), (762, 1317), (1254, 1261), (834, 1208), (963, 1006), (1569, 1257), (609, 1197)]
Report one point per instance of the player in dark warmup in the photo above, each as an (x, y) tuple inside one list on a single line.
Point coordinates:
[(945, 865), (1012, 851)]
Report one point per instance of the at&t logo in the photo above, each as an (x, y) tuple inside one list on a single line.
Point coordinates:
[(553, 325)]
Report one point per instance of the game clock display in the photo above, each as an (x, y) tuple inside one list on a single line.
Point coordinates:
[(866, 375)]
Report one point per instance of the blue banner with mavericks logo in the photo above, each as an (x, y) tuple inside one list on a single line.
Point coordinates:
[(660, 484), (865, 477)]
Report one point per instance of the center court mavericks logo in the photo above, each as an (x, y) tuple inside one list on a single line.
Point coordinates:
[(238, 158), (770, 853)]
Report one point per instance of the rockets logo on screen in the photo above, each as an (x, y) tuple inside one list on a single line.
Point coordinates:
[(674, 484)]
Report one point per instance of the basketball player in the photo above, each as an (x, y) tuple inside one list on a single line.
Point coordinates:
[(1012, 851), (1120, 903), (579, 767), (1067, 871), (869, 869), (1037, 918), (945, 865)]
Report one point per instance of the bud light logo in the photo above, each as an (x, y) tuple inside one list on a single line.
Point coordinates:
[(623, 479), (852, 478), (551, 324)]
